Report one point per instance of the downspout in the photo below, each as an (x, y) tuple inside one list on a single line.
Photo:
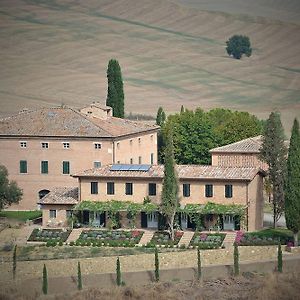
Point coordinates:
[(114, 154), (248, 203)]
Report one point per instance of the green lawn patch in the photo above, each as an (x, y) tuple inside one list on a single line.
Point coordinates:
[(21, 215)]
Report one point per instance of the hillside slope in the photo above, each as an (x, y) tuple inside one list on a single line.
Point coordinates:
[(56, 51)]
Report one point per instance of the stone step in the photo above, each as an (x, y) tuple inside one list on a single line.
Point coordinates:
[(146, 238), (186, 238), (229, 240), (74, 235)]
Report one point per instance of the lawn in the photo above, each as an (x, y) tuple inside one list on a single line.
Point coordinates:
[(21, 215)]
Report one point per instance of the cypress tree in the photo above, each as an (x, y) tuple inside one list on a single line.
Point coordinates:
[(118, 271), (279, 258), (292, 186), (160, 117), (15, 262), (79, 279), (170, 199), (156, 263), (45, 281), (273, 152), (182, 109), (115, 92), (199, 271), (236, 259)]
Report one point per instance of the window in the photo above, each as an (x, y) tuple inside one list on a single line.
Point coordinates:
[(110, 188), (186, 189), (152, 158), (69, 213), (23, 144), (118, 162), (44, 167), (94, 188), (97, 164), (23, 166), (118, 145), (66, 167), (140, 159), (209, 191), (139, 140), (97, 145), (45, 145), (52, 213), (128, 188), (151, 137), (66, 145), (152, 189), (130, 142), (228, 190), (131, 161)]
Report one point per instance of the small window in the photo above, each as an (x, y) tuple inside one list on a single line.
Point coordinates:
[(97, 164), (186, 189), (131, 161), (44, 167), (228, 190), (97, 146), (118, 162), (110, 188), (152, 189), (118, 145), (66, 145), (66, 167), (129, 188), (23, 166), (139, 140), (52, 213), (45, 145), (130, 142), (94, 188), (69, 213), (209, 191), (23, 144), (152, 158), (140, 159), (151, 137), (89, 112)]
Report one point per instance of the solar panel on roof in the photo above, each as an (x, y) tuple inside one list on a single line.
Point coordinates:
[(115, 167), (124, 167)]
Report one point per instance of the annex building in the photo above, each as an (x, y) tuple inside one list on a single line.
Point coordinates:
[(41, 148)]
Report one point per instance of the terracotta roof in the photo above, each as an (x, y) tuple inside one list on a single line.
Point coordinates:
[(61, 195), (66, 122), (184, 172), (250, 145)]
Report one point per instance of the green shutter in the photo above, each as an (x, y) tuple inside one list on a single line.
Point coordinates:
[(66, 167), (44, 167), (23, 166)]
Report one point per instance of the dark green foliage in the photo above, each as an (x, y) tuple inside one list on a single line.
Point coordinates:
[(292, 186), (170, 199), (238, 45), (199, 269), (45, 281), (118, 271), (156, 263), (15, 262), (160, 117), (79, 279), (273, 152), (9, 191), (279, 258), (115, 93), (21, 215), (236, 259)]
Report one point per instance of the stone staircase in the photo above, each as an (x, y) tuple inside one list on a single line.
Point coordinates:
[(229, 240), (146, 238), (74, 235), (186, 238)]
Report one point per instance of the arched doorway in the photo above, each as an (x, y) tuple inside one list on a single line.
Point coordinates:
[(43, 193)]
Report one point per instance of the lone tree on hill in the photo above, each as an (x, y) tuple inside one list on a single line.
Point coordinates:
[(292, 186), (170, 199), (238, 45), (273, 152), (160, 117), (115, 93), (9, 191)]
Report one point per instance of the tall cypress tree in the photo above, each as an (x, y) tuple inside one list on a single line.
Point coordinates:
[(45, 281), (292, 186), (170, 199), (115, 92), (160, 117), (273, 152)]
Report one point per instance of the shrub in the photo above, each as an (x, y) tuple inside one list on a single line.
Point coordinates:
[(15, 262), (199, 271), (72, 243), (156, 263), (45, 281), (236, 260), (279, 258), (118, 271), (79, 280)]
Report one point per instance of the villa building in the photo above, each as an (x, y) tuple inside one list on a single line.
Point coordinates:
[(41, 148)]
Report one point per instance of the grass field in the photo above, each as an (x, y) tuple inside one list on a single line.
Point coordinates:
[(21, 215), (171, 53)]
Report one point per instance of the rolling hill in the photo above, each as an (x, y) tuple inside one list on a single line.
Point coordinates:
[(171, 53)]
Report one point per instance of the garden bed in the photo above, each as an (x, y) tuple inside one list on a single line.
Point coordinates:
[(264, 237), (207, 240), (162, 239), (50, 236), (110, 238)]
